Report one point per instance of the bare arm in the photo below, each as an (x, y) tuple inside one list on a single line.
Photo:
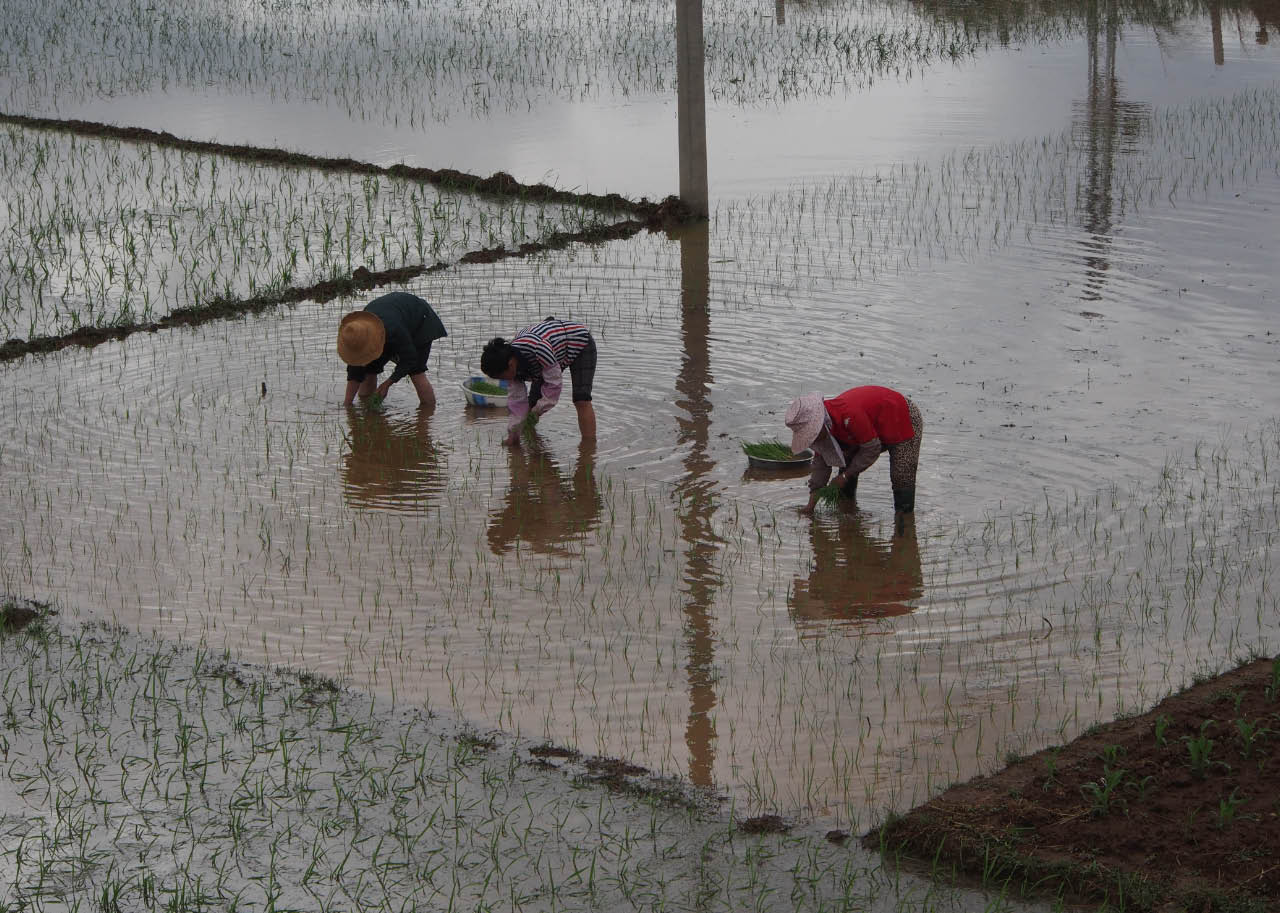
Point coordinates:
[(819, 473), (365, 388)]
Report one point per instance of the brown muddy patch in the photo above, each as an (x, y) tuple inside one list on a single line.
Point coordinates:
[(17, 615), (1174, 808), (547, 750), (764, 824)]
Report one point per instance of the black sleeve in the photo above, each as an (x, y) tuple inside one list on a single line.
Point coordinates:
[(408, 356)]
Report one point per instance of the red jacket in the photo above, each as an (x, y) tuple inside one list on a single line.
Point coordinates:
[(863, 413)]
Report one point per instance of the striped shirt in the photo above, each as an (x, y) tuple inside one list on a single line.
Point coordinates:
[(543, 351), (552, 343)]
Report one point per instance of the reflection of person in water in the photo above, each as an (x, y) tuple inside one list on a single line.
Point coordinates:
[(390, 462), (542, 508), (857, 576), (1268, 15)]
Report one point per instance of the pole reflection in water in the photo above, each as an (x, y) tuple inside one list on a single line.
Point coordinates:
[(390, 462), (1106, 122), (856, 576), (545, 510), (1215, 26), (695, 494)]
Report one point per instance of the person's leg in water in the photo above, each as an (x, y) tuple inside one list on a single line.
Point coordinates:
[(904, 459), (586, 419), (582, 372)]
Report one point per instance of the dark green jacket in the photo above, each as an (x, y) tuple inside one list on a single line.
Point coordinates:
[(411, 327)]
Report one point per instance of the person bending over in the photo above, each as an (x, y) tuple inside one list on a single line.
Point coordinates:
[(538, 355), (850, 431), (397, 327)]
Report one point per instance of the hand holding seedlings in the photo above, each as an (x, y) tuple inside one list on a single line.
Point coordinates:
[(523, 430)]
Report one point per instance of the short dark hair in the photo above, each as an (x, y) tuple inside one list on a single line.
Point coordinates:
[(496, 356)]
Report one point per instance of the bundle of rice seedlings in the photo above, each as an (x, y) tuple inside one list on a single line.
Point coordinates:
[(485, 388), (770, 450)]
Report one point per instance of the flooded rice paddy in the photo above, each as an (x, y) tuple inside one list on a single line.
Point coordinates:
[(1073, 278), (582, 96), (101, 232), (648, 597)]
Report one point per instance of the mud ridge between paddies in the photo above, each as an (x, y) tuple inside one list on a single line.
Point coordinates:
[(498, 184), (667, 214)]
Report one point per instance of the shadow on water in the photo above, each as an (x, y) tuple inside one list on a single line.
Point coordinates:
[(390, 463), (856, 577), (544, 509)]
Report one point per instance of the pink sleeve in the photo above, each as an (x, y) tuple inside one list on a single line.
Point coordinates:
[(517, 403), (552, 381)]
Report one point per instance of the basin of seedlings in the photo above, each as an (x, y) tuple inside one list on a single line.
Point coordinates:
[(774, 455), (485, 392)]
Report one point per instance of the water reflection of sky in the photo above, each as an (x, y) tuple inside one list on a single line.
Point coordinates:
[(605, 141)]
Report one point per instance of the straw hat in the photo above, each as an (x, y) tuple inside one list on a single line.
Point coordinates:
[(361, 337), (805, 417)]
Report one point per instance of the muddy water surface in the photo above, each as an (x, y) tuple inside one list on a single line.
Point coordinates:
[(649, 597), (1078, 293)]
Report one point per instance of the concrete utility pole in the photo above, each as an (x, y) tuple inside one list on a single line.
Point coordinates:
[(692, 105)]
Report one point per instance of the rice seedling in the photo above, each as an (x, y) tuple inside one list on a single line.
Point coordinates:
[(665, 628), (670, 601), (867, 227), (420, 60), (830, 494)]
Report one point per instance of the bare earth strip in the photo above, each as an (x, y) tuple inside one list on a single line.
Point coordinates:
[(1175, 809)]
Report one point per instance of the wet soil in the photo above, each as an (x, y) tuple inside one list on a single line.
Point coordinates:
[(1176, 809), (17, 615)]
